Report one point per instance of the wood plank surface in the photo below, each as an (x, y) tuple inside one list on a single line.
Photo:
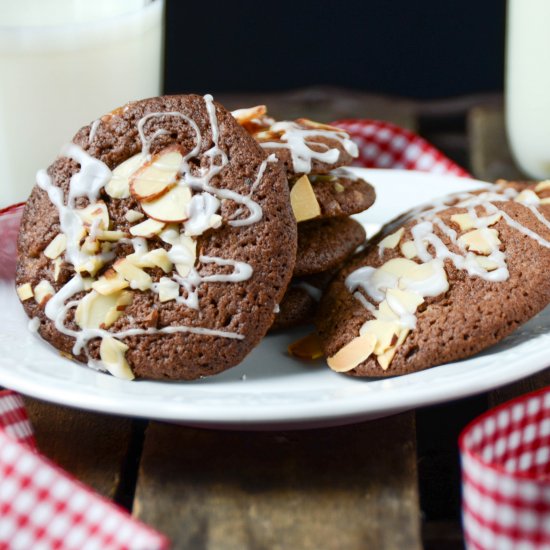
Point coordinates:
[(93, 447), (351, 487)]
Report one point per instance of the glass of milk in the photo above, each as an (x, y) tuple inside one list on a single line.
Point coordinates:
[(64, 63), (527, 94)]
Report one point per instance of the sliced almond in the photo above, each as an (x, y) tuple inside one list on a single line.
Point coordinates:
[(90, 246), (57, 268), (112, 353), (384, 331), (408, 249), (485, 263), (542, 186), (95, 214), (464, 221), (119, 185), (157, 258), (137, 278), (482, 241), (171, 207), (56, 247), (111, 236), (385, 312), (303, 201), (133, 216), (157, 176), (399, 266), (491, 220), (391, 241), (170, 234), (167, 289), (25, 292), (124, 299), (242, 116), (43, 291), (91, 266), (92, 310), (183, 254), (319, 125), (353, 353), (385, 359), (528, 196), (308, 347), (403, 301), (147, 229), (110, 282)]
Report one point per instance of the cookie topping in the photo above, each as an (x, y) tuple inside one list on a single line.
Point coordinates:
[(303, 200)]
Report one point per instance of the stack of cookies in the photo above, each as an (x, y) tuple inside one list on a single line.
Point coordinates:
[(170, 235), (323, 195)]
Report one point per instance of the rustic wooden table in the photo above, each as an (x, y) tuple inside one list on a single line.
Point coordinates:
[(392, 483)]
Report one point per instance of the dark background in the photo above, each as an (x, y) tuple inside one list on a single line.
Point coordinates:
[(420, 49)]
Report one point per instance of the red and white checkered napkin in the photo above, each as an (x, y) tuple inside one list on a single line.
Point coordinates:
[(386, 145), (506, 476), (42, 507)]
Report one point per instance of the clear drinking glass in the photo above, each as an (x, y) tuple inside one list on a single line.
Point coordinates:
[(528, 85), (63, 63)]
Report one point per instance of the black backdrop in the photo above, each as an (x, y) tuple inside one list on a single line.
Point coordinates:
[(415, 48)]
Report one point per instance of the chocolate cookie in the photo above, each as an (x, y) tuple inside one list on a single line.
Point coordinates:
[(300, 301), (304, 146), (441, 284), (342, 193), (326, 243), (158, 244)]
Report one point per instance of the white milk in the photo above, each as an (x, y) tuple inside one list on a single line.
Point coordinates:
[(63, 63), (528, 85)]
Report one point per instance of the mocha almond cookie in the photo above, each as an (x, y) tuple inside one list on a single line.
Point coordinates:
[(440, 284), (324, 244), (339, 193), (304, 146), (159, 243)]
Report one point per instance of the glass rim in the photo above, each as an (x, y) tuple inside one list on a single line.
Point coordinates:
[(151, 5)]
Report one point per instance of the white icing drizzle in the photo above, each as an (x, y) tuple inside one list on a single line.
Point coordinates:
[(201, 209), (374, 283), (296, 139), (34, 324), (94, 175), (313, 291), (241, 270), (93, 130), (147, 141)]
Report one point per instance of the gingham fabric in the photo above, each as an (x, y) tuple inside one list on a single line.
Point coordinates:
[(506, 476), (42, 507), (385, 145)]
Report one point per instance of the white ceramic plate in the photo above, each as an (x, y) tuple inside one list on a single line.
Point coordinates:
[(270, 389)]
